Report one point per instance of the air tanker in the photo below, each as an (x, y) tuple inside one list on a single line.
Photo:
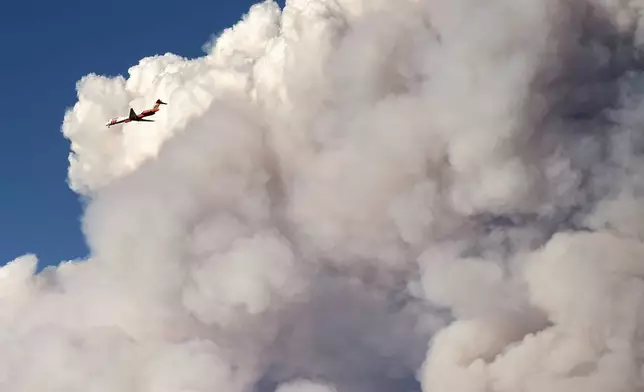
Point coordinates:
[(137, 117)]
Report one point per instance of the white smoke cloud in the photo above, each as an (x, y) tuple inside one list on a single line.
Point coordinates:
[(355, 195)]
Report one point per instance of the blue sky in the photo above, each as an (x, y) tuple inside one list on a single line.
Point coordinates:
[(47, 47)]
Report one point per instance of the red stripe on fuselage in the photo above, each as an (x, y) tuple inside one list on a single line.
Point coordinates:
[(148, 112)]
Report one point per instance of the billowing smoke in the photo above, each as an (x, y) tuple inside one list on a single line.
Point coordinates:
[(359, 196)]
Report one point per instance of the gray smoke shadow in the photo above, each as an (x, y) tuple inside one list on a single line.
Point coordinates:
[(361, 341), (577, 97), (351, 336)]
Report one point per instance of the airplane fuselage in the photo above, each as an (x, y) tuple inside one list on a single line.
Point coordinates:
[(117, 120), (136, 117), (148, 112)]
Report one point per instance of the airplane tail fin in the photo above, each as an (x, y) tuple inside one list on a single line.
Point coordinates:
[(159, 102), (132, 114)]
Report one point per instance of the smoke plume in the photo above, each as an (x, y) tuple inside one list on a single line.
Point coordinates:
[(355, 196)]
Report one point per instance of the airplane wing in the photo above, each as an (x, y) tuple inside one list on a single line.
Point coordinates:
[(133, 115), (144, 120)]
